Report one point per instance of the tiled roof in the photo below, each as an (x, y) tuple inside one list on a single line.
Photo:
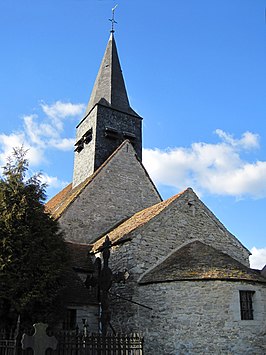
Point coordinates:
[(80, 258), (64, 198), (134, 222), (55, 202), (198, 261), (58, 204)]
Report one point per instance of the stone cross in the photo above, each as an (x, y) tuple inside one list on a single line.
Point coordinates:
[(39, 341)]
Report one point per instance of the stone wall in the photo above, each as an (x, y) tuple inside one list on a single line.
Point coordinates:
[(190, 317), (123, 124), (119, 190), (84, 160), (175, 226), (91, 315), (200, 318), (94, 154)]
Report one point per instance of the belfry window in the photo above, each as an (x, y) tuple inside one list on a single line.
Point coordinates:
[(85, 139), (246, 304), (79, 145), (88, 136), (111, 133), (130, 136)]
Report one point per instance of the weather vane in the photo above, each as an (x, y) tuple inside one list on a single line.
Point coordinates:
[(113, 19)]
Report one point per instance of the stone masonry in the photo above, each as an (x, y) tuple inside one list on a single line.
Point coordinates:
[(188, 317), (84, 160), (120, 189), (185, 269), (109, 129), (200, 318)]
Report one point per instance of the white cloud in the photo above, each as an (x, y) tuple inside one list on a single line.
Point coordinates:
[(63, 144), (249, 140), (53, 182), (62, 109), (258, 258), (42, 132), (8, 142), (15, 140), (210, 168), (58, 111)]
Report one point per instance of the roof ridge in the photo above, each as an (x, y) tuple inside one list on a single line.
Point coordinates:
[(189, 262), (49, 204), (77, 243), (56, 212), (158, 207), (216, 220)]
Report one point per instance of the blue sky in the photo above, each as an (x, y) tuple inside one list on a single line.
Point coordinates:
[(195, 71)]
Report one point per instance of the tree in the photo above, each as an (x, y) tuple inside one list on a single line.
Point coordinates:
[(33, 255)]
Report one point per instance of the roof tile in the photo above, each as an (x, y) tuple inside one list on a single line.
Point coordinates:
[(134, 222), (59, 203), (198, 261)]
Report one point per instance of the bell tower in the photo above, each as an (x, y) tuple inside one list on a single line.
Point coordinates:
[(108, 120)]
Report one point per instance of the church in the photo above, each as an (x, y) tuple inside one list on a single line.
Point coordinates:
[(186, 283)]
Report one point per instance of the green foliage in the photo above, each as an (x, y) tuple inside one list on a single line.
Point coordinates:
[(33, 255)]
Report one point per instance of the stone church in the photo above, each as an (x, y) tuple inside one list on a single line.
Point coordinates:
[(188, 287)]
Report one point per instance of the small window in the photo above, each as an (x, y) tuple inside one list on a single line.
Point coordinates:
[(88, 136), (79, 146), (130, 136), (111, 133), (246, 305), (70, 320)]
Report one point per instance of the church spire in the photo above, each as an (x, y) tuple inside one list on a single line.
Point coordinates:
[(109, 87), (109, 120)]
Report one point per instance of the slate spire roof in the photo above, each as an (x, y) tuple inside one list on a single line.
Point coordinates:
[(109, 87)]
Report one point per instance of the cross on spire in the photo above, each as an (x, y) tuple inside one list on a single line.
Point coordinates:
[(113, 19)]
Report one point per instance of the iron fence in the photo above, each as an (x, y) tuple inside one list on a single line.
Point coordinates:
[(95, 344), (73, 343), (7, 342)]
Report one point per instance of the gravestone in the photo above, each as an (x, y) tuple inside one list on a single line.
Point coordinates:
[(39, 341)]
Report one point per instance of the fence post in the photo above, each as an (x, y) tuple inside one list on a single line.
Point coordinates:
[(16, 336)]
